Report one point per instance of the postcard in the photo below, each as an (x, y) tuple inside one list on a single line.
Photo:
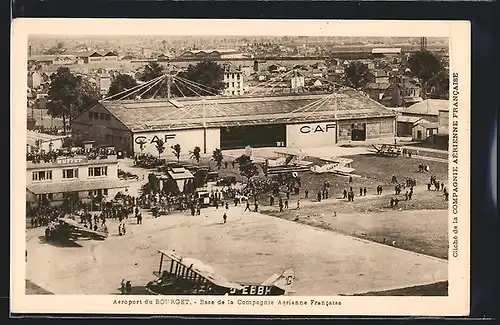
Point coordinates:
[(243, 167)]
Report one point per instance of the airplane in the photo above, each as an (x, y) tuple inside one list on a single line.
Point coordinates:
[(188, 276), (341, 166), (69, 229), (391, 150)]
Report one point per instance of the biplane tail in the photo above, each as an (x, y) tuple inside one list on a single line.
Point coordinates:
[(283, 281)]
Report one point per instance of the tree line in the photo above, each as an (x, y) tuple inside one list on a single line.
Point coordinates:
[(423, 65)]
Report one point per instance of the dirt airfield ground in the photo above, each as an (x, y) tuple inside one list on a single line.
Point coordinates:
[(348, 257), (249, 248)]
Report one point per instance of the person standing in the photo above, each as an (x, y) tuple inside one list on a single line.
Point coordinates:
[(247, 206), (345, 193), (128, 287), (364, 191), (306, 192), (224, 217), (256, 206), (360, 191), (122, 287)]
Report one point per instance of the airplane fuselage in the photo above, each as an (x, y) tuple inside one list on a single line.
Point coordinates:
[(257, 290)]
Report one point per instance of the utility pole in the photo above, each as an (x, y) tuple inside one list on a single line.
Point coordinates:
[(204, 126), (168, 79), (336, 119)]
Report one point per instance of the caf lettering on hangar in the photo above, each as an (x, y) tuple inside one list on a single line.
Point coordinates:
[(154, 139), (318, 128)]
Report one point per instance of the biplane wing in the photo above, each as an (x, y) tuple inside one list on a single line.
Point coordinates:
[(377, 149), (81, 231), (202, 270)]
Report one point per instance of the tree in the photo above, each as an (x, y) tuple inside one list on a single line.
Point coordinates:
[(217, 157), (426, 66), (153, 182), (151, 71), (195, 154), (120, 83), (247, 167), (439, 86), (170, 187), (160, 146), (200, 177), (176, 151), (243, 160), (142, 145), (356, 75), (207, 73), (69, 95)]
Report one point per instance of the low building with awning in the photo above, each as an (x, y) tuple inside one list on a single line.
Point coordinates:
[(73, 179)]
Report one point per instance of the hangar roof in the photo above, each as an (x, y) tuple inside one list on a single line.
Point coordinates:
[(211, 112)]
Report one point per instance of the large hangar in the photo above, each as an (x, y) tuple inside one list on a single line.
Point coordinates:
[(296, 121)]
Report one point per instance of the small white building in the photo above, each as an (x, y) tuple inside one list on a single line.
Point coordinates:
[(36, 141), (34, 79), (103, 83), (234, 81), (423, 130), (443, 121)]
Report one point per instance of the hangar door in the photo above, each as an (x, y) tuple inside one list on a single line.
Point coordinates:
[(358, 132), (256, 136)]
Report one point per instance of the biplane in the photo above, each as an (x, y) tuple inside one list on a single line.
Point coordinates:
[(68, 229), (390, 150), (341, 166), (188, 276)]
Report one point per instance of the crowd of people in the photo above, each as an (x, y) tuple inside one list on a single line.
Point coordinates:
[(53, 155)]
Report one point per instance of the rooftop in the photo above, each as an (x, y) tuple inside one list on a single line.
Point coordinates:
[(408, 119), (185, 113), (389, 50), (428, 107)]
